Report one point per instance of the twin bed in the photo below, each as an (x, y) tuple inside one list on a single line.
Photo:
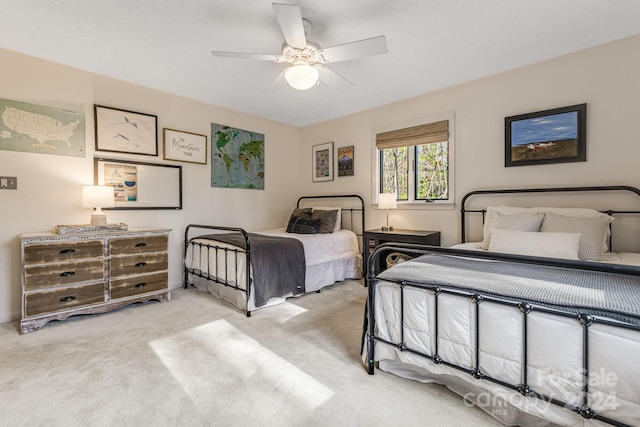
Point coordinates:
[(537, 322), (320, 246)]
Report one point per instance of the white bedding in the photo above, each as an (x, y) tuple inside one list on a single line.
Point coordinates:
[(330, 258), (554, 357), (626, 258)]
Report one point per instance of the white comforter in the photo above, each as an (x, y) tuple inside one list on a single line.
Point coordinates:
[(555, 356), (330, 258)]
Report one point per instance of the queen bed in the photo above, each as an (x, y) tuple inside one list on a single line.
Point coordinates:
[(321, 245), (540, 326)]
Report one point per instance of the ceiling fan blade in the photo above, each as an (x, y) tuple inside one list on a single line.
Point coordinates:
[(242, 55), (277, 84), (290, 20), (334, 79), (360, 49)]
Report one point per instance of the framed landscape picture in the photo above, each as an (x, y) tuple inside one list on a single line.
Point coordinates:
[(345, 161), (551, 136), (322, 158)]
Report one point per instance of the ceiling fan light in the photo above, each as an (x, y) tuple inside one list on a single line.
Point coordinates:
[(301, 76)]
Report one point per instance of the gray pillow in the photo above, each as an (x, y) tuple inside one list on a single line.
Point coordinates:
[(327, 220), (303, 212), (517, 222), (301, 225), (593, 230)]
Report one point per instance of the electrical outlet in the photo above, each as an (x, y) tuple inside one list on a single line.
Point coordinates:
[(8, 182)]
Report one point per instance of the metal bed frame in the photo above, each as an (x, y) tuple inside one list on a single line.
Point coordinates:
[(585, 320), (234, 253)]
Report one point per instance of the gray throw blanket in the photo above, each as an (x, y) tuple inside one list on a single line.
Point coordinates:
[(278, 263), (605, 294)]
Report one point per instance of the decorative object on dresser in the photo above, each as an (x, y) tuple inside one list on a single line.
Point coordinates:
[(98, 197), (373, 238), (86, 273)]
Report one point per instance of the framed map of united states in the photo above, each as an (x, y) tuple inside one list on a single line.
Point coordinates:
[(42, 129)]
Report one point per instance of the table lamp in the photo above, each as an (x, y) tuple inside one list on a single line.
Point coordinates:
[(387, 201), (98, 197)]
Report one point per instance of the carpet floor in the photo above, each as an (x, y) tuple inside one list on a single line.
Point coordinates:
[(198, 361)]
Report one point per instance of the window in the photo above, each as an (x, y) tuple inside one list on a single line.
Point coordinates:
[(415, 162)]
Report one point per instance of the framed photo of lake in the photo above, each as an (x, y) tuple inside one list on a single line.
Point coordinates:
[(558, 135)]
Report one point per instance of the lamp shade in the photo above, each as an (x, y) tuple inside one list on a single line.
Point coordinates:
[(301, 76), (387, 201), (98, 196)]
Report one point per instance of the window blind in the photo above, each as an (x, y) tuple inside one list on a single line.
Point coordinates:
[(417, 135)]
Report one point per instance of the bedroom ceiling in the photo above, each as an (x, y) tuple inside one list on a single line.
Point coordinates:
[(433, 44)]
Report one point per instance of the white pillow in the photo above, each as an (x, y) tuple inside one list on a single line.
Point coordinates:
[(338, 225), (552, 245), (593, 230), (520, 222), (575, 212)]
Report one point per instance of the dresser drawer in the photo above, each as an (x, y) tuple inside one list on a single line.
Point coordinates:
[(63, 299), (121, 288), (138, 264), (61, 252), (48, 275), (136, 245)]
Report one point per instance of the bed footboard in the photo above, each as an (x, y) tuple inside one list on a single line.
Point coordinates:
[(558, 365), (228, 261)]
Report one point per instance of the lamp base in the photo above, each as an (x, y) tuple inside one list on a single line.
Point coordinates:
[(98, 219), (387, 228)]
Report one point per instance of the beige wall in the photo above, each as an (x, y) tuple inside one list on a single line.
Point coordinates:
[(606, 78), (49, 186)]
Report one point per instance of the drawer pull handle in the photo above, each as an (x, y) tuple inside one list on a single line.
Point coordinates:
[(67, 251), (141, 264), (140, 285), (140, 245), (67, 299), (67, 274)]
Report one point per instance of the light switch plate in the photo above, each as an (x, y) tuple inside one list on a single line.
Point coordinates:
[(8, 182)]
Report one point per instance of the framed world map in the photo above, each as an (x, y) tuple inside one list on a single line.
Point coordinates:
[(237, 158)]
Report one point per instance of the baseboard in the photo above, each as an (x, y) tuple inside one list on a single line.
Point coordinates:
[(9, 318)]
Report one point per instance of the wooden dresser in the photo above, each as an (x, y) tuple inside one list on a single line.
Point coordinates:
[(68, 274)]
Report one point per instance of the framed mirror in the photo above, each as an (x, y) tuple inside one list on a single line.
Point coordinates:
[(140, 185)]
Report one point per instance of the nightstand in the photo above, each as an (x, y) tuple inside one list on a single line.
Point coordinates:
[(373, 238)]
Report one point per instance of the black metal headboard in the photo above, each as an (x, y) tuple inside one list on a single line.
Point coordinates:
[(605, 188), (354, 208)]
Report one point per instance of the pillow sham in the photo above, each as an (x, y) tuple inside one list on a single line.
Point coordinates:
[(327, 220), (338, 223), (519, 222), (552, 245), (303, 212), (575, 212), (302, 225), (593, 230)]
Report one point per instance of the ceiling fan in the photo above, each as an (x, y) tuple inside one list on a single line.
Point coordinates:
[(306, 57)]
